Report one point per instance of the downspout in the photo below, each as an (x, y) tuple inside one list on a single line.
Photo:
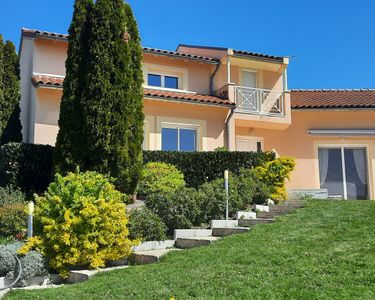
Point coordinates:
[(212, 78), (227, 127)]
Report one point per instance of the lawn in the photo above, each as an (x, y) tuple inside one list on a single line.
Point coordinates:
[(323, 251)]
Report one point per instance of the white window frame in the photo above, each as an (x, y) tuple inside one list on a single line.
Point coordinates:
[(181, 73), (162, 77), (146, 135), (179, 127)]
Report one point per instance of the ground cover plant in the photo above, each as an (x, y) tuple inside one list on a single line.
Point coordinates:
[(323, 251)]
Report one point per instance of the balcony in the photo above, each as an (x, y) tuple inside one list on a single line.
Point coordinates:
[(255, 100), (259, 101), (263, 108)]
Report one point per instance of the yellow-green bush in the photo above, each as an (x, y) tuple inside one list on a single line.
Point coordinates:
[(159, 178), (80, 221), (274, 173)]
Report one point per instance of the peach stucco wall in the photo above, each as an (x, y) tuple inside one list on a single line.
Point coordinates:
[(48, 106), (198, 74), (211, 121), (50, 56), (295, 141)]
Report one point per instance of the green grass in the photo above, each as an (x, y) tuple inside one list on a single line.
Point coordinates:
[(323, 251)]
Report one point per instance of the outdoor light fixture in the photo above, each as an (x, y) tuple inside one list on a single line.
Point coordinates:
[(30, 219), (226, 186)]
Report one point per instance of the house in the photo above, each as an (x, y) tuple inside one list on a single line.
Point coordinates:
[(201, 98)]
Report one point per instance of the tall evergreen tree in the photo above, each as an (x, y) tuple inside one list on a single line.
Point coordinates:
[(71, 138), (2, 125), (112, 100), (11, 130), (101, 118)]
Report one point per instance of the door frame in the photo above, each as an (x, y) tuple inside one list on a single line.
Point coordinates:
[(250, 138), (342, 148)]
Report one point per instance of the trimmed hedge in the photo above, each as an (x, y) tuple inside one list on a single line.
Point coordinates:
[(26, 166), (29, 166), (201, 167)]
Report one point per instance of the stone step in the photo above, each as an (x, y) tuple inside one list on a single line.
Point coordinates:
[(223, 223), (193, 242), (249, 223), (149, 256), (270, 214), (293, 203), (191, 233), (283, 208), (225, 231)]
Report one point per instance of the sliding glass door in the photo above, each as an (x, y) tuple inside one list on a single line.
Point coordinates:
[(343, 172)]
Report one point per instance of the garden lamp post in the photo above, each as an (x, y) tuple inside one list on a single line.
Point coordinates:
[(226, 186), (30, 219)]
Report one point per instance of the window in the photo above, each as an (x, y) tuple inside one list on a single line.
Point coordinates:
[(170, 82), (179, 139), (343, 172)]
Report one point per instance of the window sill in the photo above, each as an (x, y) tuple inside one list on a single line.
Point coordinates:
[(167, 89)]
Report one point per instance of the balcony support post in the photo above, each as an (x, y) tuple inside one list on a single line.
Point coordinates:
[(228, 70)]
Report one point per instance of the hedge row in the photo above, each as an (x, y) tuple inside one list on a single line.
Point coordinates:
[(29, 166), (26, 166), (201, 167)]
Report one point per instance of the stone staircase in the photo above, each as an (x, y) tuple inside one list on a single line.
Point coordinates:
[(192, 238)]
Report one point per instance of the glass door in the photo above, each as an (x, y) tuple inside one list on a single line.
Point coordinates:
[(343, 172), (248, 96)]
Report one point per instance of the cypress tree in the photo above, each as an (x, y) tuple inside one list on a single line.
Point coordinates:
[(11, 131), (112, 97), (70, 139), (1, 84), (135, 114)]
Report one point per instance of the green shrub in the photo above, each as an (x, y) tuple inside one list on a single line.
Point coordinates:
[(213, 199), (11, 195), (251, 189), (201, 167), (244, 190), (159, 178), (33, 264), (146, 226), (177, 210), (13, 219), (29, 166), (26, 166), (274, 174), (80, 221)]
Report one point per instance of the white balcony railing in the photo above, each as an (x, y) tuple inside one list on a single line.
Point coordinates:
[(259, 101)]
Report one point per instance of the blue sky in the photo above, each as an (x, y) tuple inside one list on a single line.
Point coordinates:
[(331, 42)]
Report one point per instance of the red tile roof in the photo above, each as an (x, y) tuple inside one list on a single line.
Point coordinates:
[(50, 81), (258, 55), (44, 80), (326, 99), (188, 97), (47, 34), (180, 55), (238, 53), (52, 35)]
